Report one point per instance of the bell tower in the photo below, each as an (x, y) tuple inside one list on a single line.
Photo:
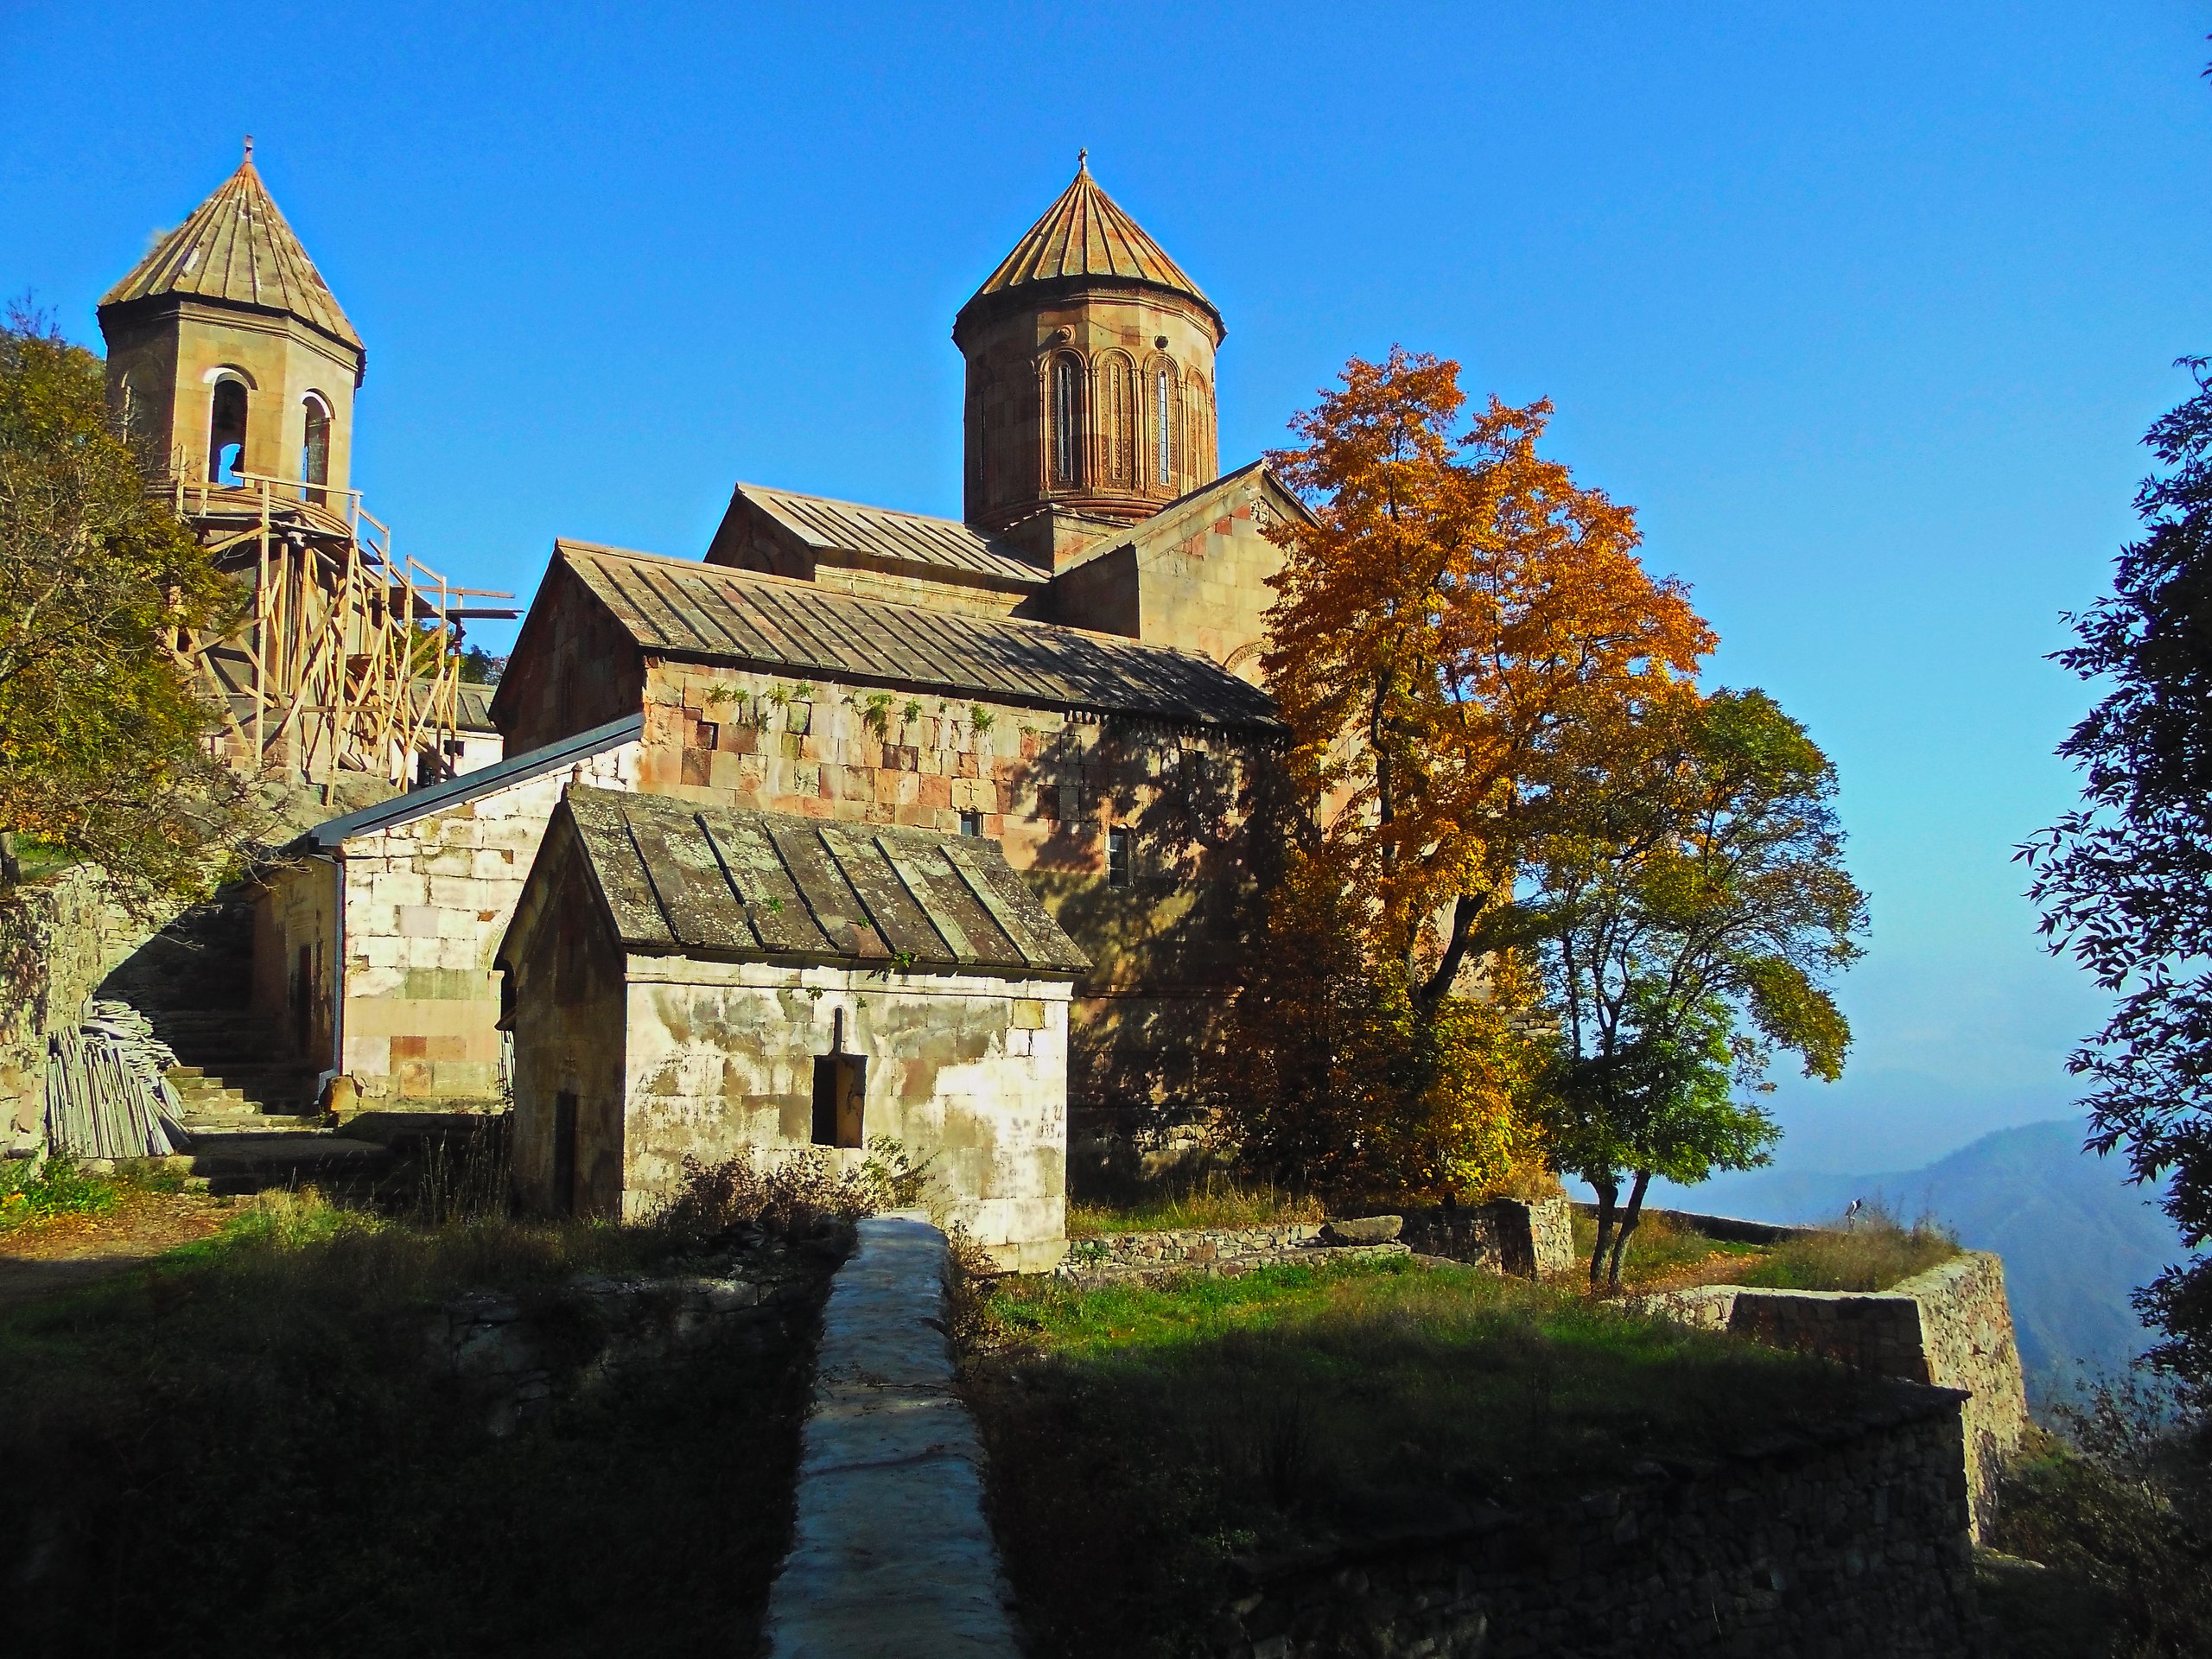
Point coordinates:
[(233, 367), (1091, 379), (228, 353)]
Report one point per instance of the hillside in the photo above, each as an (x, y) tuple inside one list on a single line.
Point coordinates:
[(2076, 1239)]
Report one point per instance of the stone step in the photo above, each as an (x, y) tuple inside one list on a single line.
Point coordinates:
[(290, 1155)]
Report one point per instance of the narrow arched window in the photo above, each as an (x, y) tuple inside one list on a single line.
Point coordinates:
[(314, 447), (1117, 398), (226, 432), (1166, 409), (1067, 421), (1196, 427)]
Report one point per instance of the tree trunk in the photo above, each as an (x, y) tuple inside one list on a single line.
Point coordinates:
[(1607, 1190), (1628, 1224)]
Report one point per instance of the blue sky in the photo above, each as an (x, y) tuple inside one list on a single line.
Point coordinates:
[(1865, 309)]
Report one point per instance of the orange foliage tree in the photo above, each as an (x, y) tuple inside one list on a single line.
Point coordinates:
[(1454, 622)]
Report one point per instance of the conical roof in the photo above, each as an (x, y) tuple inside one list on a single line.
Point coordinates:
[(1085, 236), (237, 250)]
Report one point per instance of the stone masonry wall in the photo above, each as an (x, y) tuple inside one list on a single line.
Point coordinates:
[(966, 1071), (1528, 1240), (1049, 787), (426, 904), (1848, 1540), (1951, 1326), (58, 938)]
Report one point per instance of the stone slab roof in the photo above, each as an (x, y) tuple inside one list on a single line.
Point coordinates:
[(474, 785), (880, 535), (680, 879), (1085, 236), (237, 250), (715, 613)]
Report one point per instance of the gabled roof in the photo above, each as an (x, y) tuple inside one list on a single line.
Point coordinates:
[(880, 536), (1174, 520), (714, 614), (237, 250), (474, 786), (677, 878), (1085, 237)]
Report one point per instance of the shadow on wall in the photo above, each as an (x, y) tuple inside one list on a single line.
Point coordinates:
[(1143, 863)]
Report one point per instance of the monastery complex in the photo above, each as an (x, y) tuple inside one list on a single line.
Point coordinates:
[(854, 823)]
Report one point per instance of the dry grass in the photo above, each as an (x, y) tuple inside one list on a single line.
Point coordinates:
[(1140, 1437), (1213, 1198), (1875, 1252)]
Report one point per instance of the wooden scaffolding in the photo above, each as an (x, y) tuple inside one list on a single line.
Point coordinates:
[(347, 659)]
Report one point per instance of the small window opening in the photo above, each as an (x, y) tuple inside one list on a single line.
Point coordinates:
[(1117, 858), (564, 1152), (226, 433), (315, 451), (971, 824), (840, 1092), (710, 734)]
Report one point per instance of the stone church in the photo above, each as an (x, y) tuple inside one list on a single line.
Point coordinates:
[(1068, 670)]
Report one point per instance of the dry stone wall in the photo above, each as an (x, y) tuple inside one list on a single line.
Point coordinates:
[(1507, 1236), (1847, 1539)]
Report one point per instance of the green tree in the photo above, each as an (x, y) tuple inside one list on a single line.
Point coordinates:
[(1693, 906), (102, 740), (2124, 881)]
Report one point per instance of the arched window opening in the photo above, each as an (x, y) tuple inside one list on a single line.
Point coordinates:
[(226, 433), (1067, 421), (1197, 452), (315, 449), (1118, 392), (1166, 401)]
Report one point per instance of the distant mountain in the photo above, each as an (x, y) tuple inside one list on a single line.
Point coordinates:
[(2076, 1239)]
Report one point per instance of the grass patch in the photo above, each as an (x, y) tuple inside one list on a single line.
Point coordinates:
[(241, 1448), (1876, 1252), (1139, 1437), (1211, 1199), (60, 1186)]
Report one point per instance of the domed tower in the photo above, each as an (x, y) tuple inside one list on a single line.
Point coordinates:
[(1091, 359), (226, 351)]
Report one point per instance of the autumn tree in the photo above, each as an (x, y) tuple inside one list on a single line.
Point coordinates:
[(101, 739), (1694, 910), (1455, 614), (2125, 880)]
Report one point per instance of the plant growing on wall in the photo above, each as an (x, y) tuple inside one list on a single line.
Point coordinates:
[(101, 738)]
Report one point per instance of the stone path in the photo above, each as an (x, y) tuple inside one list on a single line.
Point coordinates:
[(891, 1554)]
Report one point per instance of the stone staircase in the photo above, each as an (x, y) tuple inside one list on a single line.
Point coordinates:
[(249, 1099), (234, 1071)]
